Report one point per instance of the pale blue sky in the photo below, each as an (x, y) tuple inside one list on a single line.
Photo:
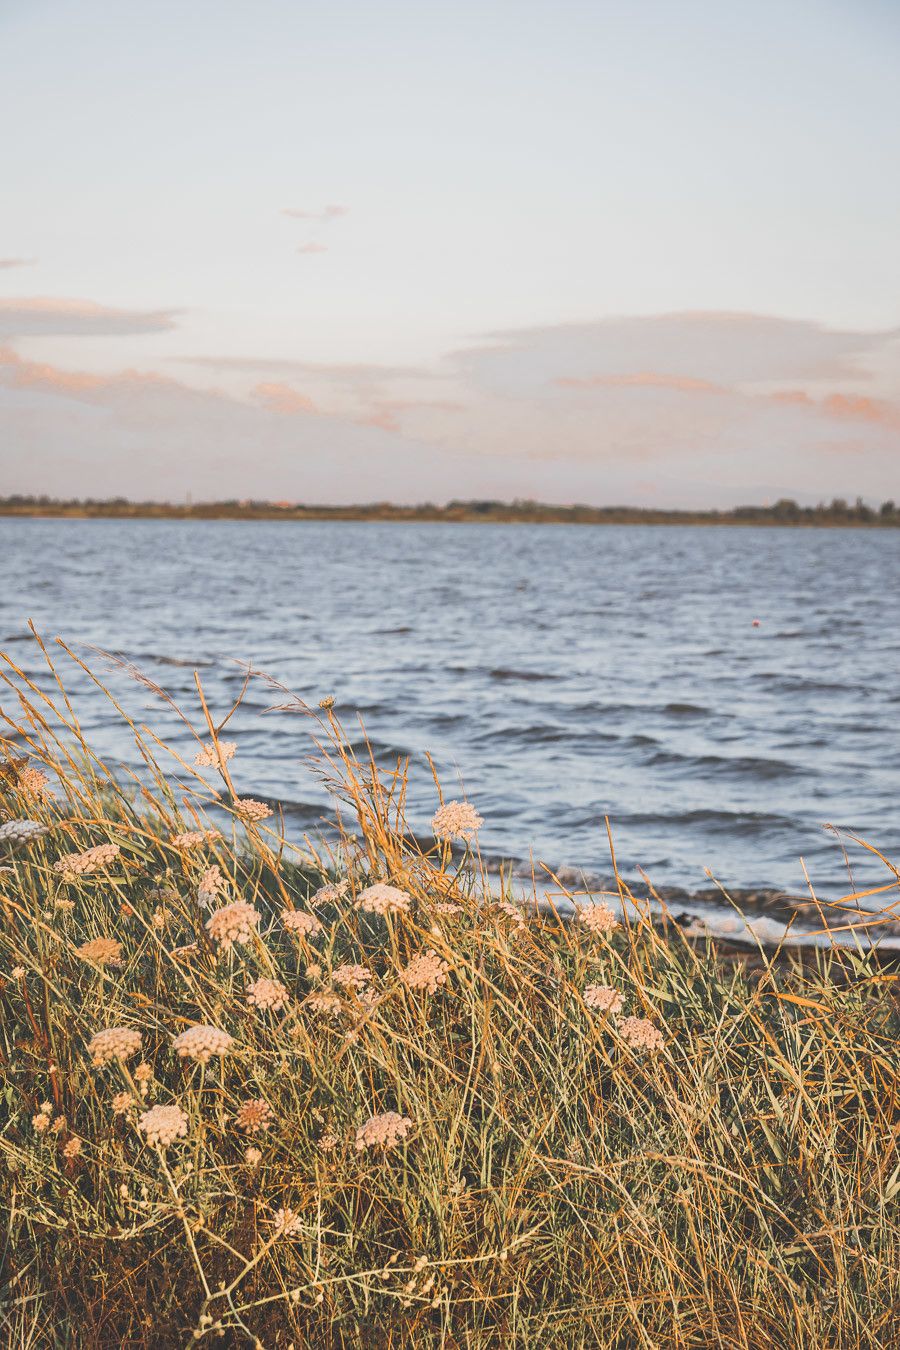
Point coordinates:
[(540, 170)]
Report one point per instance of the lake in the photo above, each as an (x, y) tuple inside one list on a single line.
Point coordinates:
[(557, 674)]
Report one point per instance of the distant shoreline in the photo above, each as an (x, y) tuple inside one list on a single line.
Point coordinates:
[(837, 514)]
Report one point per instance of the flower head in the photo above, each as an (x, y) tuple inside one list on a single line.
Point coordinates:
[(328, 1141), (597, 919), (427, 971), (324, 1003), (250, 810), (21, 831), (329, 895), (640, 1033), (72, 1147), (509, 911), (40, 1122), (254, 1116), (210, 755), (100, 950), (287, 1223), (350, 976), (265, 993), (122, 1103), (202, 1042), (603, 998), (298, 921), (234, 923), (33, 782), (91, 860), (211, 885), (113, 1043), (162, 1125), (194, 838), (384, 1131), (456, 820), (382, 899), (252, 1156)]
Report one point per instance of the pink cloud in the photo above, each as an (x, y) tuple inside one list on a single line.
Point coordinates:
[(52, 379), (843, 407), (333, 212), (643, 379), (6, 263), (281, 398), (313, 247)]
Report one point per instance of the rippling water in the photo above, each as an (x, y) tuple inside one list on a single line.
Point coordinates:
[(559, 673)]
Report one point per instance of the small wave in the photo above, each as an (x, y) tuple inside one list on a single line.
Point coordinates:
[(501, 673)]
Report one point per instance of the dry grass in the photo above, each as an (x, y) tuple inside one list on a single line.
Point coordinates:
[(550, 1176)]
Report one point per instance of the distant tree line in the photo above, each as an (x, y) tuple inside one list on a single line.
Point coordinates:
[(785, 511)]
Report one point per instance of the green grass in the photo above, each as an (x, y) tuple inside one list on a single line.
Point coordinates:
[(557, 1187)]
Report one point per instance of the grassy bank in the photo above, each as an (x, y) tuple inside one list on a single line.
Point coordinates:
[(352, 1098)]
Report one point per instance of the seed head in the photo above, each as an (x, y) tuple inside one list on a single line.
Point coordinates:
[(162, 1125), (350, 976), (194, 838), (298, 921), (269, 994), (597, 919), (384, 1131), (640, 1033), (209, 756), (250, 810), (603, 998), (201, 1043), (287, 1223), (456, 820), (324, 1003), (427, 972), (22, 831), (100, 950), (254, 1116), (91, 860), (114, 1043)]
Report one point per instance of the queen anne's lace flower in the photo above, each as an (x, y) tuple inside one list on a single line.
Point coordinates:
[(640, 1033), (287, 1223), (446, 908), (122, 1103), (201, 1043), (162, 1125), (298, 921), (323, 1002), (603, 998), (509, 911), (249, 809), (22, 831), (328, 1141), (252, 1156), (384, 1131), (456, 820), (597, 919), (329, 895), (254, 1116), (114, 1043), (382, 899), (208, 756), (100, 950), (264, 993), (194, 838), (91, 860), (350, 976), (33, 782), (40, 1123), (72, 1147), (211, 885), (234, 923), (427, 971)]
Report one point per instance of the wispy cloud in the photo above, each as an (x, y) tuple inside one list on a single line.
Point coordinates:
[(281, 398), (312, 247), (45, 316), (7, 263), (642, 379), (327, 213)]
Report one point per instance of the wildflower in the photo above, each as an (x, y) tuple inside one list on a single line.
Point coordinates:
[(63, 904), (232, 923), (59, 1124), (384, 1131), (603, 998), (327, 702), (201, 1043), (22, 831), (217, 751), (382, 899), (121, 1103), (91, 860), (640, 1033), (159, 917), (40, 1122), (193, 838), (162, 1125), (113, 1043), (446, 907), (267, 994), (252, 1156), (314, 972), (350, 976), (212, 883), (597, 919), (100, 950), (72, 1147), (298, 921), (143, 1073), (456, 820), (250, 810), (324, 1003), (329, 895), (254, 1116), (509, 911), (17, 973), (33, 782), (46, 1108), (426, 971), (287, 1223), (328, 1142)]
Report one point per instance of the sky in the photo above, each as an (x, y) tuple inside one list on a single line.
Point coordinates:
[(587, 251)]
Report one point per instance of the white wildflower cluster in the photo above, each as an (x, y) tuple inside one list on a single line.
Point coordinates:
[(254, 1116), (269, 994), (597, 919), (640, 1033), (114, 1043), (287, 1223), (91, 860), (194, 838), (383, 1131), (298, 921), (233, 924), (350, 976), (251, 810), (427, 972), (456, 820), (603, 998), (323, 1002), (383, 899), (201, 1042), (22, 831), (162, 1125), (329, 895), (211, 755), (210, 887)]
